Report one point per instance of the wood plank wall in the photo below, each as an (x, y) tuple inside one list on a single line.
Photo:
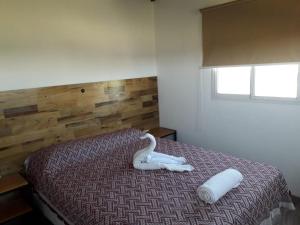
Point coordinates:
[(35, 118)]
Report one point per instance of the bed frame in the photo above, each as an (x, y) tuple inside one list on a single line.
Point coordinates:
[(31, 119)]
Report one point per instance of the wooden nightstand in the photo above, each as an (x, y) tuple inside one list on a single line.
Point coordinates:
[(162, 132), (12, 201)]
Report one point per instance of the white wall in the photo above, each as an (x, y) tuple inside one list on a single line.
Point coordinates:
[(53, 42), (263, 132)]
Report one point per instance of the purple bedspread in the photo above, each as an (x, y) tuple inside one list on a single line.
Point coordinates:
[(92, 181)]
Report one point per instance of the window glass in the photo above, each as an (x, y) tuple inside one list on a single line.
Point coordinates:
[(276, 81), (233, 80)]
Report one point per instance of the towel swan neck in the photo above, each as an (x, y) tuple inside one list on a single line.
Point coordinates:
[(152, 145)]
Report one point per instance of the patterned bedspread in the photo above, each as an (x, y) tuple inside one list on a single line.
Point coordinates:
[(92, 181)]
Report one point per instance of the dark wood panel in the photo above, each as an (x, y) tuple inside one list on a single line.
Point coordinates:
[(35, 118), (19, 111)]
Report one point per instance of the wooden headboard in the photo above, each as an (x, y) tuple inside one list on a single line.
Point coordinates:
[(35, 118)]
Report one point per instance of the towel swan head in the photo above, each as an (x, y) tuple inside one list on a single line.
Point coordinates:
[(145, 136)]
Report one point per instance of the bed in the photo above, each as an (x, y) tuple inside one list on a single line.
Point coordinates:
[(92, 181)]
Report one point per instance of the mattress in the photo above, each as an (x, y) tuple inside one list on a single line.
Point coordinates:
[(91, 181)]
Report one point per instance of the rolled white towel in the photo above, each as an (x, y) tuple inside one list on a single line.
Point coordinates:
[(218, 185)]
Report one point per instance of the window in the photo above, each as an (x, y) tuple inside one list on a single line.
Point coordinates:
[(262, 81)]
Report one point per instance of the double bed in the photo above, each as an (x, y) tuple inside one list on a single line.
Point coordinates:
[(92, 181)]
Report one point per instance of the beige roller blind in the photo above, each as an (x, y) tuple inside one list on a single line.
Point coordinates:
[(251, 32)]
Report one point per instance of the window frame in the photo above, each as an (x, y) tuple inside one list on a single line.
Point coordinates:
[(252, 96)]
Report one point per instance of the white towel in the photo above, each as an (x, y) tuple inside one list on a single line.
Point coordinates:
[(218, 185), (147, 159)]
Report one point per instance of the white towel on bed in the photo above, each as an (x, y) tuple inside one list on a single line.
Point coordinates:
[(218, 185), (147, 159)]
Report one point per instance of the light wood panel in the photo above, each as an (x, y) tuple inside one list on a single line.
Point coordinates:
[(35, 118)]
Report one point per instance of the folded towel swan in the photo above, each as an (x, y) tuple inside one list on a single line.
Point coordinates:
[(147, 159), (218, 185)]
